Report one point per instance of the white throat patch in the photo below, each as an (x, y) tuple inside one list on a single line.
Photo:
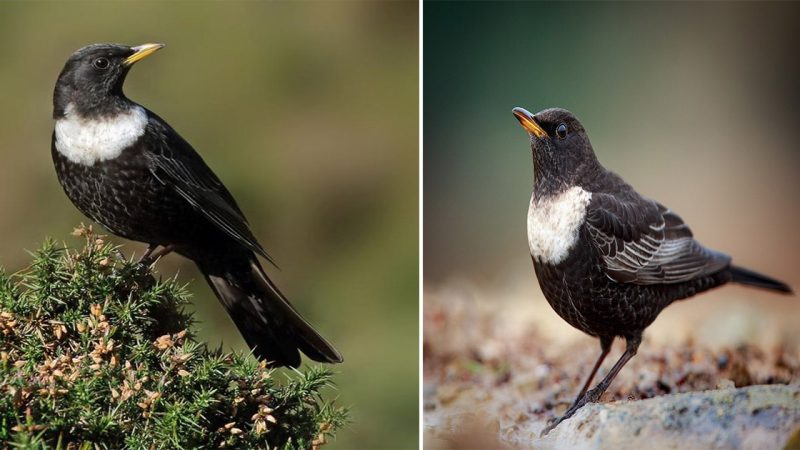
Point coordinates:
[(87, 141), (553, 224)]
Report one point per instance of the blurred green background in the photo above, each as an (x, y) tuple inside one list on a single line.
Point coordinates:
[(696, 105), (308, 112)]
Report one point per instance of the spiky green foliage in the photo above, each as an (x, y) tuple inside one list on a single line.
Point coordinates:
[(97, 353)]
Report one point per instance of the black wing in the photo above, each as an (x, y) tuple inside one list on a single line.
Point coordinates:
[(175, 163), (642, 242)]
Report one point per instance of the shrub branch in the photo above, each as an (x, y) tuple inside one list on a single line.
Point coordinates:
[(95, 352)]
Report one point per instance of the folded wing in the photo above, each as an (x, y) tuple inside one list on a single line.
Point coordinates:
[(177, 164), (642, 242)]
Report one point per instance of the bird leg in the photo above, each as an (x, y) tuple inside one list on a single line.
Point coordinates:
[(163, 251), (632, 345), (605, 347), (153, 253)]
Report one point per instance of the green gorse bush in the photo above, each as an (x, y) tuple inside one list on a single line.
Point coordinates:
[(97, 353)]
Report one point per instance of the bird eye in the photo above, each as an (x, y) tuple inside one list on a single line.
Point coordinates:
[(101, 63), (561, 131)]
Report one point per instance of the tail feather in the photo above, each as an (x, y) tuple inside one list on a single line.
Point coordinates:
[(309, 340), (748, 277), (270, 325)]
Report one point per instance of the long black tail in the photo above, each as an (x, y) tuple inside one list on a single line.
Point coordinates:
[(750, 278), (270, 325)]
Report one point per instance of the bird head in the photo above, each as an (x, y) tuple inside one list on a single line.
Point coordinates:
[(92, 77), (561, 149)]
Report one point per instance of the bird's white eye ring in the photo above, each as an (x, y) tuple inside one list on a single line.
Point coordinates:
[(561, 130), (101, 63)]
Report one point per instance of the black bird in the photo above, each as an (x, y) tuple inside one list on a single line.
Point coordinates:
[(127, 169), (609, 260)]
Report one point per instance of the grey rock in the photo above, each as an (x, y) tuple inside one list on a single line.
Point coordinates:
[(755, 417)]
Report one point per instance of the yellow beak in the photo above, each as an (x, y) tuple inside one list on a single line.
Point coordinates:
[(142, 51), (526, 119)]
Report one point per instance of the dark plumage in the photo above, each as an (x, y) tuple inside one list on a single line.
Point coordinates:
[(127, 169), (609, 260)]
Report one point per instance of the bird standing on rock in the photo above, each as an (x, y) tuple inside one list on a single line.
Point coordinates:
[(127, 169), (608, 260)]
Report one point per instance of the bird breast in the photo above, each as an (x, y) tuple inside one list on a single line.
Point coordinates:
[(89, 140), (553, 224)]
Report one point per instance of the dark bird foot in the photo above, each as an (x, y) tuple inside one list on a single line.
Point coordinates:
[(153, 253), (592, 396), (146, 262)]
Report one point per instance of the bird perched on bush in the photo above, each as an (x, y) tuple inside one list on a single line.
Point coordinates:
[(609, 260), (130, 171)]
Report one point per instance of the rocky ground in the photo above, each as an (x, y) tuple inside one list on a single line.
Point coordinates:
[(495, 373)]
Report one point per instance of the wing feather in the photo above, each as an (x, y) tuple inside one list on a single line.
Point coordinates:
[(642, 242), (176, 164)]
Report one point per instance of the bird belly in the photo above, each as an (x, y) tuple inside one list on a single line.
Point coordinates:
[(580, 293), (123, 196)]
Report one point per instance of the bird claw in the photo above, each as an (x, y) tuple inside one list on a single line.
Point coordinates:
[(590, 397), (146, 262), (556, 421), (154, 253), (552, 423)]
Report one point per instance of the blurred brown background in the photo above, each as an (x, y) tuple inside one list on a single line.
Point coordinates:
[(308, 112)]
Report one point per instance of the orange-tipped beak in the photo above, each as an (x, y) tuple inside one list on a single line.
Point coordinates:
[(141, 52), (526, 120)]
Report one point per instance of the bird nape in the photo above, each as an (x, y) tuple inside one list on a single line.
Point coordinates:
[(607, 259), (127, 169)]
